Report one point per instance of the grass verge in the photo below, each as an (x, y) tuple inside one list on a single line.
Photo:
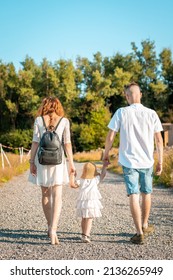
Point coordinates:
[(15, 169)]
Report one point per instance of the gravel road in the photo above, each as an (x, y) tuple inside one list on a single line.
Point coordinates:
[(23, 232)]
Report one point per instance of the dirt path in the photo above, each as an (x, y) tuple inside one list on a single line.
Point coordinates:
[(23, 228)]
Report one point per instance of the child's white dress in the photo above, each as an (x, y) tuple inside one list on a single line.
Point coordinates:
[(88, 203)]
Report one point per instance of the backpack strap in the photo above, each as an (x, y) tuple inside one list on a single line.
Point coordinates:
[(44, 123), (55, 126), (62, 143), (58, 124)]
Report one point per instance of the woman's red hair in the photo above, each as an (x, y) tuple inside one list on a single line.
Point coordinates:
[(51, 105)]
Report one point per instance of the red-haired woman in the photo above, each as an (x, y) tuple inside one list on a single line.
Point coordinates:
[(51, 178)]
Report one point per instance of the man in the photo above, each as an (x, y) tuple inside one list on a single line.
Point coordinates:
[(139, 126)]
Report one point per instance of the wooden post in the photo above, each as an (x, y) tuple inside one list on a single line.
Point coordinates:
[(2, 158)]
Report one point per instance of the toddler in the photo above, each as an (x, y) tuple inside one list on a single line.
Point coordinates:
[(88, 203)]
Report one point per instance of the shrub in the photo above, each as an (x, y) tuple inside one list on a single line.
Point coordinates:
[(17, 138)]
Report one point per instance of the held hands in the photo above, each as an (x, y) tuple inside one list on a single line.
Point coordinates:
[(103, 171), (73, 170), (73, 183), (105, 165), (106, 162)]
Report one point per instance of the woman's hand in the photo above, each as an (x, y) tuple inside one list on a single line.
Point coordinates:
[(73, 183), (33, 169)]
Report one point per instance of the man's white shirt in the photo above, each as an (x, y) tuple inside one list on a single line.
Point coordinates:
[(137, 125)]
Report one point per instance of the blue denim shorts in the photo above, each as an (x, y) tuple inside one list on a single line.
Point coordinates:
[(138, 180)]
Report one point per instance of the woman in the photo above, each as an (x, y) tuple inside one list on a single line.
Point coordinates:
[(51, 177)]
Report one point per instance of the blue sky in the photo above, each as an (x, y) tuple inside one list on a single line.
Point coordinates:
[(67, 28)]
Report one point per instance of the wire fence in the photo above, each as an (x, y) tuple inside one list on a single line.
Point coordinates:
[(4, 158)]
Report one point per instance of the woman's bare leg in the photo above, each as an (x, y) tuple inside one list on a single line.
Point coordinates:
[(46, 204), (56, 192)]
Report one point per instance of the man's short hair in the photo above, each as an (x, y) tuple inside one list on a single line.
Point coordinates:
[(128, 86)]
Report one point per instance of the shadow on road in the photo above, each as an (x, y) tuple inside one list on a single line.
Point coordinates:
[(38, 237)]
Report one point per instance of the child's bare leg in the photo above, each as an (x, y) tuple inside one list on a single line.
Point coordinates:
[(83, 225), (86, 225)]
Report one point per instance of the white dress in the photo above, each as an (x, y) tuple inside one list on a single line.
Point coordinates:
[(50, 175), (88, 203)]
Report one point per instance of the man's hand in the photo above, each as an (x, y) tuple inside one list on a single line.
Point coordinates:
[(158, 169)]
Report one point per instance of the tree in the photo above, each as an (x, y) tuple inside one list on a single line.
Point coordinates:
[(92, 133), (90, 91), (153, 88), (167, 74), (8, 96), (67, 89)]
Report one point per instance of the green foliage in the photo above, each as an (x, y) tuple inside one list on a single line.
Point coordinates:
[(90, 92), (92, 134), (17, 138), (167, 73)]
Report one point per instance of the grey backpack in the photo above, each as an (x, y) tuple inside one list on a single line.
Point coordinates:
[(50, 147)]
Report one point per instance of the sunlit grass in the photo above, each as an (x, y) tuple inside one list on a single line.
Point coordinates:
[(15, 169), (165, 179), (95, 155), (88, 156)]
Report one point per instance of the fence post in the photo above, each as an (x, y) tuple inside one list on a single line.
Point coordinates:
[(6, 158), (21, 154), (2, 158)]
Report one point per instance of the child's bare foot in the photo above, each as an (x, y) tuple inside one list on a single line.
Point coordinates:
[(85, 238)]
